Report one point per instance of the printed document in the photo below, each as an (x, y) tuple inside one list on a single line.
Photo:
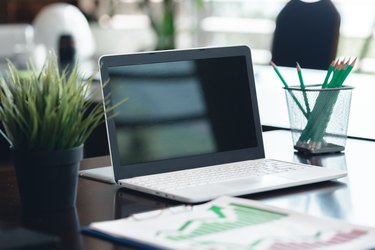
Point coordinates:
[(235, 223)]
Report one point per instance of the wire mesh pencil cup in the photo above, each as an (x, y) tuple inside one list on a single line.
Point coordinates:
[(318, 117)]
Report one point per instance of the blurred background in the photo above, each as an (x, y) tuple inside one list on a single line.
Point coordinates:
[(118, 26), (278, 30)]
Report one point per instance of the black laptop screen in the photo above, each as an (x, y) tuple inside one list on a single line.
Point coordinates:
[(180, 109)]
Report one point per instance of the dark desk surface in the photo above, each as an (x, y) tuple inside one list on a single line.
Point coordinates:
[(349, 199)]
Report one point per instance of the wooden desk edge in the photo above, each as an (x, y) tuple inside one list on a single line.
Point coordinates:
[(95, 162)]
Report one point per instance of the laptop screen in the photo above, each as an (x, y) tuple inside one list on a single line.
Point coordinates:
[(177, 110)]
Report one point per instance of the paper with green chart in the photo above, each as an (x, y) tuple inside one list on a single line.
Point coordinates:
[(236, 223), (319, 113)]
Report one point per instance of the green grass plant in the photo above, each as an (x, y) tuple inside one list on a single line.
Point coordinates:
[(48, 110)]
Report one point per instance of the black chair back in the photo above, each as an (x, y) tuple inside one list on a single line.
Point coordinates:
[(306, 32)]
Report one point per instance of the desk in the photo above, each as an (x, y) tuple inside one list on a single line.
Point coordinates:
[(273, 108), (349, 199)]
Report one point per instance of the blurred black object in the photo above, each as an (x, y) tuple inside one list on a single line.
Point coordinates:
[(306, 32), (67, 52)]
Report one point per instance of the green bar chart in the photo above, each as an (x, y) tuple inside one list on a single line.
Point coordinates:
[(244, 216)]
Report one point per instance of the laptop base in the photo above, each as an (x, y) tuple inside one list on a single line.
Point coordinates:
[(103, 174)]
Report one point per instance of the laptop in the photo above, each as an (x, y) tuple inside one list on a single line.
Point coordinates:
[(190, 130)]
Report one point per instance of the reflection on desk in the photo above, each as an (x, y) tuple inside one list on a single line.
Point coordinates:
[(348, 199), (128, 202)]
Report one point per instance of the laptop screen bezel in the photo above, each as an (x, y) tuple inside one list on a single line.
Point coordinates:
[(168, 165)]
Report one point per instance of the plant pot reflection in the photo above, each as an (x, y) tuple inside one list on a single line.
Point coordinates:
[(62, 224)]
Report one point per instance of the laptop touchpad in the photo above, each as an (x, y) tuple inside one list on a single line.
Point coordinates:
[(256, 182)]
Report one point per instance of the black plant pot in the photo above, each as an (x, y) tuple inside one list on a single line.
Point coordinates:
[(47, 180)]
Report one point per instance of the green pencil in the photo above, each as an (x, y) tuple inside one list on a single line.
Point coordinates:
[(300, 76), (336, 75), (302, 84), (279, 75), (331, 67), (274, 66), (346, 72)]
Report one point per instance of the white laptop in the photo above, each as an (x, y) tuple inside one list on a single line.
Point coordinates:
[(190, 130)]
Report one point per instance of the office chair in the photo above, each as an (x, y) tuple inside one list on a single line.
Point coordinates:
[(306, 32)]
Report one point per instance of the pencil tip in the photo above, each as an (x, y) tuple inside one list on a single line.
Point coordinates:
[(353, 62), (298, 66), (273, 64)]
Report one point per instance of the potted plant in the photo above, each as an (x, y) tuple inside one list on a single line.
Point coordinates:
[(47, 117)]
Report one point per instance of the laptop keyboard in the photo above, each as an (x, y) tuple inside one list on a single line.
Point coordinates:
[(213, 174)]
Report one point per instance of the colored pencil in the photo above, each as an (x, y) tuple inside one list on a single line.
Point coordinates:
[(347, 71), (329, 72), (302, 84), (274, 66)]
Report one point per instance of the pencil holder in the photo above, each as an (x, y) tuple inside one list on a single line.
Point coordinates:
[(318, 117)]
